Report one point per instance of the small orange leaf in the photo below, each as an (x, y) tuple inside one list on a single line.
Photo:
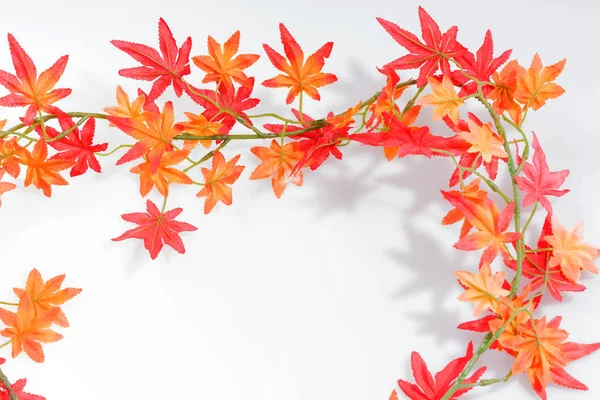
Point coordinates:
[(164, 174), (278, 163), (483, 289), (43, 172), (217, 180)]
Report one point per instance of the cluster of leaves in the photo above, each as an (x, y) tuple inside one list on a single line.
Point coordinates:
[(166, 153), (37, 310)]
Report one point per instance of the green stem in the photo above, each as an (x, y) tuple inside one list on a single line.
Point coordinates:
[(535, 206), (208, 155), (9, 304), (114, 150)]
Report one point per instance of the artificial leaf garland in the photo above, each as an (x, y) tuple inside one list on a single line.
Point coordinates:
[(477, 146)]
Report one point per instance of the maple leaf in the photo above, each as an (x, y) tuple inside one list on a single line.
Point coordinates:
[(29, 89), (472, 193), (154, 135), (510, 322), (229, 102), (76, 146), (317, 145), (483, 289), (403, 140), (277, 163), (221, 66), (164, 174), (503, 93), (217, 180), (538, 348), (157, 228), (43, 172), (490, 223), (427, 388), (537, 269), (535, 85), (481, 66), (165, 69), (386, 101), (126, 108), (26, 330), (47, 296), (9, 160), (429, 56), (539, 181), (299, 76), (199, 125), (444, 99), (460, 147), (6, 187), (543, 354), (569, 252), (483, 141), (17, 388)]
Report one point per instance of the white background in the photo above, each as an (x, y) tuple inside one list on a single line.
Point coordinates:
[(322, 294)]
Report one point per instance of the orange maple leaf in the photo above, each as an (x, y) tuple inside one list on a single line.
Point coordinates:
[(47, 296), (386, 101), (490, 223), (126, 108), (9, 161), (164, 174), (538, 348), (29, 89), (483, 141), (154, 135), (299, 76), (43, 172), (472, 193), (199, 125), (217, 180), (505, 312), (483, 289), (278, 162), (569, 251), (26, 329), (444, 99), (535, 85), (503, 93), (221, 66)]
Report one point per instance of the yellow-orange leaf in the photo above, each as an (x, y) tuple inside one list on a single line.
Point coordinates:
[(535, 85), (126, 109), (444, 99), (570, 252), (483, 289), (483, 141)]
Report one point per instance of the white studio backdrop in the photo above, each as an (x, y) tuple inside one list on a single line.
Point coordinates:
[(322, 294)]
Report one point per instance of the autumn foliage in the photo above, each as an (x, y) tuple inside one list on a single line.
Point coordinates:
[(433, 73)]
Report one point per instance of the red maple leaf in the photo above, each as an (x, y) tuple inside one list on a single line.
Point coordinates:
[(165, 68), (29, 89), (228, 99), (76, 146), (459, 147), (410, 140), (427, 388), (317, 145), (157, 228), (539, 182), (429, 56), (537, 269), (481, 66)]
